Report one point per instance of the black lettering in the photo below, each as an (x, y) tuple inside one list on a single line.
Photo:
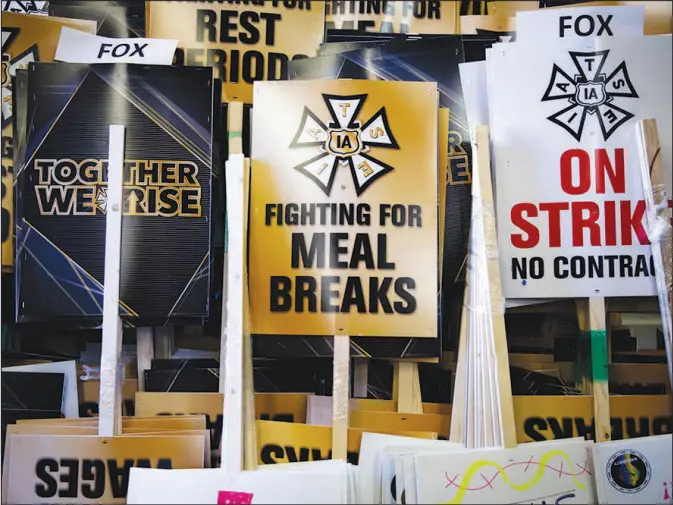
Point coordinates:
[(119, 477), (93, 479), (281, 299), (251, 34), (382, 253), (408, 303), (69, 478), (305, 289), (43, 470), (354, 295), (270, 454), (205, 23), (327, 294), (104, 48), (378, 293), (532, 427), (311, 257)]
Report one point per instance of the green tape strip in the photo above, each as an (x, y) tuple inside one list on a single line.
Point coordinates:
[(235, 135), (599, 355)]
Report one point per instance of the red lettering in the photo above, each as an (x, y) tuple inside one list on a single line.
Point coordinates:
[(554, 209), (632, 221), (615, 173), (518, 217), (610, 223), (576, 171), (580, 222), (584, 166)]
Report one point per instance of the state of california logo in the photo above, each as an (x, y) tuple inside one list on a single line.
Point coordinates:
[(344, 142)]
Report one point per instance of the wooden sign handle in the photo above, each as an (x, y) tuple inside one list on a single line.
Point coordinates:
[(340, 396), (111, 371)]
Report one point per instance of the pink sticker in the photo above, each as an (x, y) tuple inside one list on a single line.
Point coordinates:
[(233, 498)]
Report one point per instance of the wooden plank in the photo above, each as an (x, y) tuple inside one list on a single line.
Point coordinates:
[(232, 337), (591, 317), (408, 388), (111, 371), (482, 159), (340, 396), (360, 377), (658, 221), (144, 353)]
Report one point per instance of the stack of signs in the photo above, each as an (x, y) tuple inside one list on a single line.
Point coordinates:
[(243, 41), (344, 195), (635, 471), (25, 39), (404, 470), (168, 191), (114, 19), (563, 108), (65, 461), (416, 16), (352, 55), (328, 482)]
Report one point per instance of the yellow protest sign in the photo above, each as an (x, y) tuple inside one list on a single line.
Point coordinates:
[(243, 41), (25, 38), (552, 417), (89, 392), (191, 422), (293, 442), (408, 16), (88, 469), (396, 421), (344, 191)]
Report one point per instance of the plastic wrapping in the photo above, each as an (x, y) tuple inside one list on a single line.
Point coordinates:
[(657, 224)]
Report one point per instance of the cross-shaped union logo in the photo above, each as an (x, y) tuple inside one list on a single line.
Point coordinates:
[(590, 91), (344, 142)]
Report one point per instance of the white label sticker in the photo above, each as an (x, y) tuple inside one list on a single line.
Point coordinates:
[(79, 47), (581, 22)]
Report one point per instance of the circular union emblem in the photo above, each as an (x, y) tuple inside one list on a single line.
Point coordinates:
[(628, 471)]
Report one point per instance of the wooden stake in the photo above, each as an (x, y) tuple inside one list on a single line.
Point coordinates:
[(111, 369), (407, 387), (360, 377), (232, 339), (658, 225), (144, 353), (591, 317), (458, 405), (340, 396)]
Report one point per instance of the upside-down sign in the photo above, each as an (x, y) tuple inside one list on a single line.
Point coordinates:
[(569, 193), (244, 41), (343, 211)]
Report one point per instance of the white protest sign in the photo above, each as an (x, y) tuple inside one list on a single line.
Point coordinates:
[(638, 470), (214, 486), (582, 22), (570, 202), (530, 473), (370, 461), (79, 47)]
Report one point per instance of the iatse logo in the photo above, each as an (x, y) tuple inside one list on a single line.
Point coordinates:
[(590, 91), (344, 142)]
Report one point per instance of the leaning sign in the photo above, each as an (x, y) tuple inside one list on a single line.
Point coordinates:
[(243, 41), (570, 202), (343, 212)]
